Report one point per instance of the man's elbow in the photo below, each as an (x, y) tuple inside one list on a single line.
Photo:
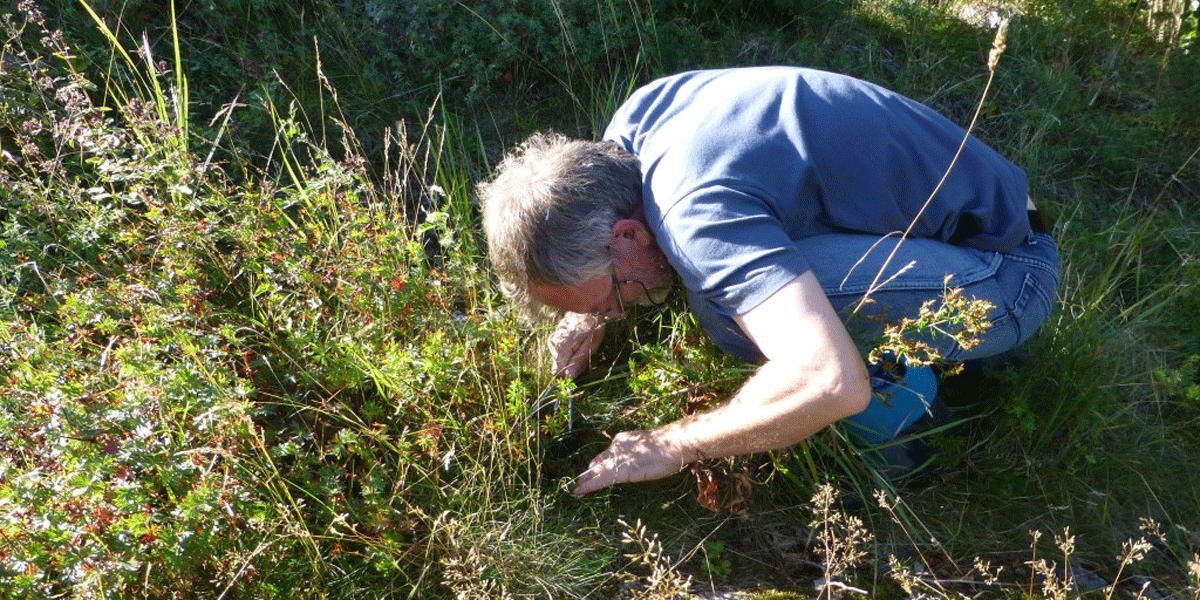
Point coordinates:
[(852, 387)]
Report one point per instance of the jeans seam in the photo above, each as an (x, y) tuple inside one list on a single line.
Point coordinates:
[(1047, 297), (989, 270), (1026, 292), (1033, 262)]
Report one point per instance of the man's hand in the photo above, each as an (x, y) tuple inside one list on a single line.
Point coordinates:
[(573, 342), (813, 376), (634, 456)]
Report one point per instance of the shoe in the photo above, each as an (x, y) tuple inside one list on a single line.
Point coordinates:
[(910, 456), (900, 396), (904, 404)]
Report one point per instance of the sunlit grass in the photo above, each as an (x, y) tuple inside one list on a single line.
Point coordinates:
[(296, 378)]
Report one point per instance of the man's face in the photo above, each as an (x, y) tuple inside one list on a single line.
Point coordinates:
[(640, 275), (593, 296)]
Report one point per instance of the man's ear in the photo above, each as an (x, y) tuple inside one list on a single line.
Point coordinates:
[(630, 231)]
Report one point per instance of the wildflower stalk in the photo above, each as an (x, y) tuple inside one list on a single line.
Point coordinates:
[(998, 46)]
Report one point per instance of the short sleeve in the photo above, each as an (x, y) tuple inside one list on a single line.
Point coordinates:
[(729, 247)]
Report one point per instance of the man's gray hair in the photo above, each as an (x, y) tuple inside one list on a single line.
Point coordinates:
[(549, 211)]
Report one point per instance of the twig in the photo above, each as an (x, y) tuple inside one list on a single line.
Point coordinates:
[(261, 546), (1175, 176), (998, 46)]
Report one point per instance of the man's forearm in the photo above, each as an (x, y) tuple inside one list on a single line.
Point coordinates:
[(813, 377), (780, 405), (777, 407)]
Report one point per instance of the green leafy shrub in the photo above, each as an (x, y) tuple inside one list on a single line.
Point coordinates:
[(290, 384), (125, 414), (388, 60)]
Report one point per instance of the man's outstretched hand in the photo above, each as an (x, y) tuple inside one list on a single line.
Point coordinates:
[(634, 456)]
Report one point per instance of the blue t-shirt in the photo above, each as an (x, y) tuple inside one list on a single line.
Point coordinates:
[(737, 163)]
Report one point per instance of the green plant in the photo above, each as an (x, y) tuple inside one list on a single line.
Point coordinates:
[(244, 354), (126, 418), (259, 387), (662, 579), (716, 562)]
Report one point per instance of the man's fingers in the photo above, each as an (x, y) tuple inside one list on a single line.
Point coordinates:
[(587, 484), (572, 349), (631, 457), (577, 364), (595, 478), (572, 367), (601, 473)]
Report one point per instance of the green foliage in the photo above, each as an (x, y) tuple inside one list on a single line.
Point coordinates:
[(125, 413), (1182, 383), (680, 376), (244, 354), (716, 562), (388, 60), (952, 316), (260, 386)]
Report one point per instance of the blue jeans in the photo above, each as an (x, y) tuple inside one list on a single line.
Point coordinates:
[(1020, 284)]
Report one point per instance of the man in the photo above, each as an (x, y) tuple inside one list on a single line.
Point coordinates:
[(777, 195)]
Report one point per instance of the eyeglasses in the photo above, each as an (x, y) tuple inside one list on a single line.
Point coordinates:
[(607, 314)]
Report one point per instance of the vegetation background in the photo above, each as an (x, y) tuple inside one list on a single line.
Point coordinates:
[(251, 349)]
